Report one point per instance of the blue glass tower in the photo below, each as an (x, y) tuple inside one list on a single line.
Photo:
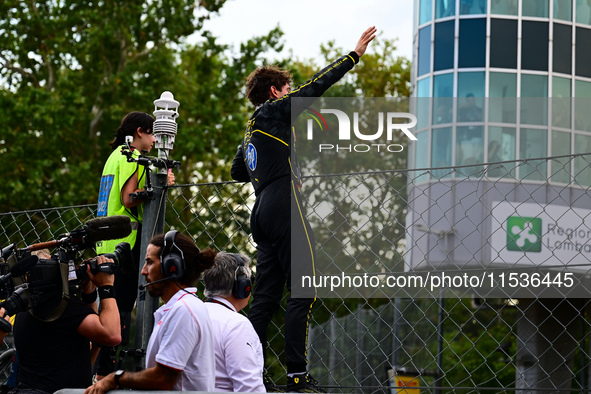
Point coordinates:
[(499, 81)]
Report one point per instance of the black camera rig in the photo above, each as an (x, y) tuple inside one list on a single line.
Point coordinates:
[(147, 161), (43, 283)]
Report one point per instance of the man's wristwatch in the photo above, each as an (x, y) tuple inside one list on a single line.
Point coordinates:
[(118, 375)]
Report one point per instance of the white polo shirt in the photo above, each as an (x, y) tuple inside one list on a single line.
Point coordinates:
[(238, 352), (182, 339)]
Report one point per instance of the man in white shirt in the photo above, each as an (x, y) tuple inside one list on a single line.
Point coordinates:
[(238, 351), (180, 353)]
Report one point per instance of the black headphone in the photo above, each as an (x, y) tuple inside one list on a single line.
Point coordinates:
[(172, 263), (242, 284)]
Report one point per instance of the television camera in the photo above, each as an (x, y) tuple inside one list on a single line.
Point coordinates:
[(43, 284)]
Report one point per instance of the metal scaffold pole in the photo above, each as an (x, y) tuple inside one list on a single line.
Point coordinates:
[(165, 129)]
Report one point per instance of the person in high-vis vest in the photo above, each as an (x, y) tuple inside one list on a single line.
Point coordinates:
[(120, 179)]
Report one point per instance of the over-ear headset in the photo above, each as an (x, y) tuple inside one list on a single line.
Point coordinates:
[(172, 259), (242, 284)]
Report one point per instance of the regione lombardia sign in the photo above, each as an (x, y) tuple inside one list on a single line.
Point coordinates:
[(541, 235)]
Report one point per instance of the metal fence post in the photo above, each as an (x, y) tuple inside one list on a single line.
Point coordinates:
[(332, 354), (153, 224), (165, 130), (440, 345), (396, 343)]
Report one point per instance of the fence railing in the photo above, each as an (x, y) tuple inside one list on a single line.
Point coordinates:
[(391, 226)]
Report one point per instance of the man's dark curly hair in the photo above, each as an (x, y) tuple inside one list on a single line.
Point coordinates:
[(260, 81)]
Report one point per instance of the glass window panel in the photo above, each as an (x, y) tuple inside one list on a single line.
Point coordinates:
[(471, 7), (424, 87), (582, 105), (422, 155), (444, 8), (534, 85), (501, 147), (472, 43), (560, 168), (503, 43), (583, 11), (534, 101), (502, 104), (470, 97), (504, 7), (423, 102), (424, 50), (442, 98), (534, 45), (470, 149), (442, 112), (561, 102), (560, 87), (533, 144), (425, 11), (443, 85), (562, 49), (583, 57), (563, 10), (537, 8), (582, 175), (582, 88), (443, 56), (441, 151)]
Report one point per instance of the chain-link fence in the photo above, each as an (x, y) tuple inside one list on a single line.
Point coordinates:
[(501, 234)]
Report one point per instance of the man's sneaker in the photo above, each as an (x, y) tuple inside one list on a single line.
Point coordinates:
[(270, 386), (303, 383)]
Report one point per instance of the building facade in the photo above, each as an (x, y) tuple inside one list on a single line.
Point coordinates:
[(497, 84), (474, 58)]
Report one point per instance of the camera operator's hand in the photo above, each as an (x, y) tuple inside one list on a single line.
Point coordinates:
[(104, 328), (101, 278), (88, 287)]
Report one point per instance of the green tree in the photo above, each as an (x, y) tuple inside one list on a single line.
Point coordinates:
[(70, 70)]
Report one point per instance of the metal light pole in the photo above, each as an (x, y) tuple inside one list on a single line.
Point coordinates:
[(165, 129)]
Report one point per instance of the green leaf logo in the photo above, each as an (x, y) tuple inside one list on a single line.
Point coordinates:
[(524, 234)]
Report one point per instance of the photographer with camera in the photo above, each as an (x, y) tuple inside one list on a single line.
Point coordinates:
[(180, 352), (121, 178), (55, 353)]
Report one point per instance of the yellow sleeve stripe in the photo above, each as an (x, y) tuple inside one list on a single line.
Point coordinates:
[(272, 136), (315, 79)]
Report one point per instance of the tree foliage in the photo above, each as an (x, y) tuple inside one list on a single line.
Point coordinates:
[(70, 70)]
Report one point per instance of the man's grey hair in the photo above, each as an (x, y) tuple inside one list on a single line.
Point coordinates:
[(219, 279)]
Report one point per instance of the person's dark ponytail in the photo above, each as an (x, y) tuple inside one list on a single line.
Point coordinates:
[(196, 261), (129, 125)]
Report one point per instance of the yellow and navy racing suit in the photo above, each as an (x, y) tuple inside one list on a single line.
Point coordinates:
[(278, 221)]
